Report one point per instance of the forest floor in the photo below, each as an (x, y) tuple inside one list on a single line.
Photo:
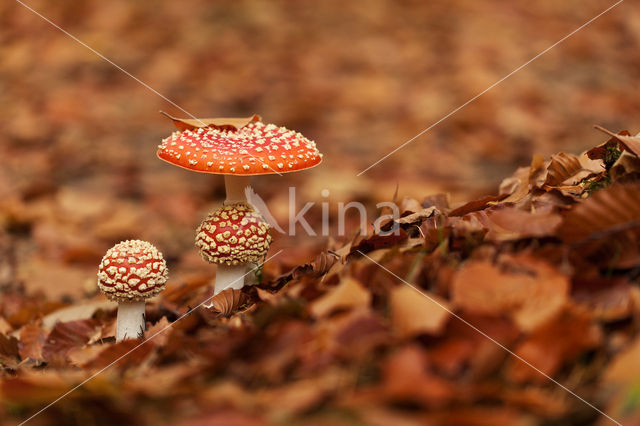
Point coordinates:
[(506, 298)]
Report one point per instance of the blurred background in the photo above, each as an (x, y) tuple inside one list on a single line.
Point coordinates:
[(78, 170)]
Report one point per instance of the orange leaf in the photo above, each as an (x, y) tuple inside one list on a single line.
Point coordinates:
[(608, 210), (348, 294), (32, 339), (413, 313), (512, 224), (527, 289), (556, 343)]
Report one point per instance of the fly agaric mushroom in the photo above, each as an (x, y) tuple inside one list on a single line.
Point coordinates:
[(238, 149), (233, 236), (129, 273)]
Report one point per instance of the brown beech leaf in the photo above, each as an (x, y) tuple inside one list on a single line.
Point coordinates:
[(319, 266), (348, 294), (159, 332), (406, 377), (629, 143), (227, 302), (228, 124), (68, 335), (527, 289), (556, 343), (609, 210), (608, 299), (126, 354), (38, 387), (81, 356), (625, 368), (562, 167), (440, 201), (32, 339), (376, 242), (76, 312), (413, 314), (506, 224), (476, 205), (9, 351), (625, 164), (5, 327), (417, 217)]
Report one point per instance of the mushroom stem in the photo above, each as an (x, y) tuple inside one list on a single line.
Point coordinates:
[(235, 186), (131, 321), (233, 276), (230, 276)]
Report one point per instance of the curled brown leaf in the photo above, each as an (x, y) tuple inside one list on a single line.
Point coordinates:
[(612, 209), (227, 302)]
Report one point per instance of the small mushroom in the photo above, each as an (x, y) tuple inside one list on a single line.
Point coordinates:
[(237, 149), (129, 273), (233, 236)]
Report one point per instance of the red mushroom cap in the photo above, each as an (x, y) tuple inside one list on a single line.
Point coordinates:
[(255, 149), (132, 270), (233, 234)]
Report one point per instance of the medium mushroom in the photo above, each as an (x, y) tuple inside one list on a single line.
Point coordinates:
[(237, 148), (129, 273), (233, 236)]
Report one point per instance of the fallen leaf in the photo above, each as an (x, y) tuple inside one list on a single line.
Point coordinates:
[(5, 327), (609, 210), (125, 354), (9, 352), (476, 205), (77, 312), (625, 368), (554, 344), (627, 164), (227, 302), (159, 332), (413, 314), (68, 335), (32, 340), (407, 378), (377, 242), (527, 289), (562, 167), (506, 224), (629, 143), (348, 294)]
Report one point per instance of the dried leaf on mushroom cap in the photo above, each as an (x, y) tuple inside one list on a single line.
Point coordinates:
[(228, 124)]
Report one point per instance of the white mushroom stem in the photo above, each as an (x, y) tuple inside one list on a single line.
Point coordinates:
[(233, 276), (131, 321), (230, 276), (235, 187)]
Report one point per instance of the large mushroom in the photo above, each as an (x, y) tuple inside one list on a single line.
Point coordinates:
[(129, 273), (237, 148)]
